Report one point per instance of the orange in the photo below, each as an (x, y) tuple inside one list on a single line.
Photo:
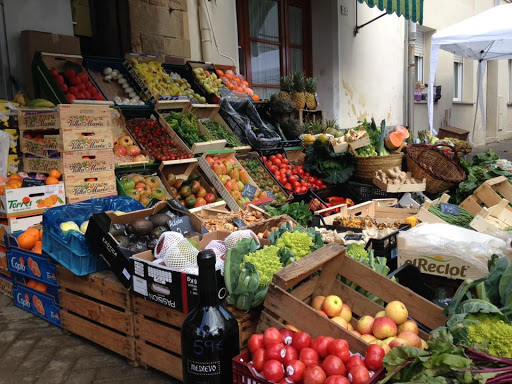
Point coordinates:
[(219, 73), (245, 83), (26, 241), (2, 189), (15, 177), (31, 283), (54, 199), (48, 202), (51, 180), (55, 173), (34, 232), (41, 287), (256, 97)]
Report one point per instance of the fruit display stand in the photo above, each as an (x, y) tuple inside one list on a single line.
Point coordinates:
[(163, 109), (112, 89), (427, 217), (489, 194), (157, 330), (144, 172), (98, 308), (219, 186), (217, 219), (192, 67), (293, 287), (183, 170)]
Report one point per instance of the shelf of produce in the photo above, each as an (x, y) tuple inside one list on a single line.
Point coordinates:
[(489, 194), (211, 97), (153, 188), (427, 217), (158, 341), (197, 147), (293, 286), (181, 70), (95, 67), (98, 308), (216, 219)]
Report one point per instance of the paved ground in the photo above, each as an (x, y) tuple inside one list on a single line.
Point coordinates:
[(36, 352), (502, 148)]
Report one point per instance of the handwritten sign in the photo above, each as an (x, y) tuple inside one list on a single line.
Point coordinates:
[(271, 195), (238, 222), (31, 183), (181, 224), (450, 209), (356, 237), (249, 191)]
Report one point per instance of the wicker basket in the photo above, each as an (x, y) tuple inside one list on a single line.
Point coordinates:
[(366, 166), (441, 170)]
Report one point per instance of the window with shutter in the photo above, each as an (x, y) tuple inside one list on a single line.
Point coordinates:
[(418, 55), (458, 74)]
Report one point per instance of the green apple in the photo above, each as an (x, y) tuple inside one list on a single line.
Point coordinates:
[(127, 184)]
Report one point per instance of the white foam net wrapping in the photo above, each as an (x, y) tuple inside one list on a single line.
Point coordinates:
[(179, 255), (167, 239), (232, 239), (218, 247)]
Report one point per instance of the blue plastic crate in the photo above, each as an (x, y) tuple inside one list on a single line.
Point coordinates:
[(37, 303), (72, 249), (29, 264)]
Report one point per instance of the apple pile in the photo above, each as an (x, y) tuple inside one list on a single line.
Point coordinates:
[(388, 328), (291, 176), (76, 85), (125, 147), (234, 178), (190, 192), (284, 356), (155, 139), (144, 188)]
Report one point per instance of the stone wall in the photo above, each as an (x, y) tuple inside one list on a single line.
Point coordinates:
[(160, 27)]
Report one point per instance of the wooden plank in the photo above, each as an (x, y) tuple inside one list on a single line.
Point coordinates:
[(123, 345), (102, 285), (305, 290), (97, 312), (156, 333), (400, 188), (287, 307), (158, 359), (157, 311), (419, 308), (472, 205), (330, 271), (298, 271), (267, 321)]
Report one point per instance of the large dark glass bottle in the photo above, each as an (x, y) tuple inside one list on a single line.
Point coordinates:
[(209, 335)]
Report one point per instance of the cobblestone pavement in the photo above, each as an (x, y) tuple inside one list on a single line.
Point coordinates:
[(502, 148), (36, 352)]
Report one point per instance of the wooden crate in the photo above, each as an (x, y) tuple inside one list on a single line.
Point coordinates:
[(426, 217), (98, 308), (6, 286), (42, 164), (42, 148), (79, 139), (88, 161), (490, 220), (310, 116), (293, 287), (94, 183), (489, 194), (158, 334), (401, 188)]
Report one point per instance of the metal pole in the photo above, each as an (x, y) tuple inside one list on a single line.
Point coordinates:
[(411, 73)]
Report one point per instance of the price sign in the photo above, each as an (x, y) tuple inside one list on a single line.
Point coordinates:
[(271, 195), (181, 224), (238, 222), (450, 209), (31, 183), (355, 236), (249, 191)]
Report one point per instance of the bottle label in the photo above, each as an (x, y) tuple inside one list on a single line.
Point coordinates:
[(203, 368)]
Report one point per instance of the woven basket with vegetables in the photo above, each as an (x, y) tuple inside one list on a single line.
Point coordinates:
[(383, 153)]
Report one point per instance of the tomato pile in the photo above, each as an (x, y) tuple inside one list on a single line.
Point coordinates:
[(291, 176), (76, 85), (283, 356), (155, 139)]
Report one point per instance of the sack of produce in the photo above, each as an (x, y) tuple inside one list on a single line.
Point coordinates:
[(449, 251)]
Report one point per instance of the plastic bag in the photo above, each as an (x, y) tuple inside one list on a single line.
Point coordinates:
[(445, 249), (243, 118), (5, 141)]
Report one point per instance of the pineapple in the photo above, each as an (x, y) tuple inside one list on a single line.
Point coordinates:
[(286, 88), (310, 93), (298, 95)]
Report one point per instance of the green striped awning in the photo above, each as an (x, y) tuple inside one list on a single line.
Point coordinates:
[(410, 9)]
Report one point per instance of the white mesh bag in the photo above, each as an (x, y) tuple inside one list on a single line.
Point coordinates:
[(182, 257), (218, 247), (167, 239), (232, 239)]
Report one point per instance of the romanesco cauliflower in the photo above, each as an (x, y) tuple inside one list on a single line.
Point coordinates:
[(357, 251), (266, 262), (490, 328), (299, 243)]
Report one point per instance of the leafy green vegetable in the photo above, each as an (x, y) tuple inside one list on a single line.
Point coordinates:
[(322, 161), (219, 133), (186, 126), (298, 211)]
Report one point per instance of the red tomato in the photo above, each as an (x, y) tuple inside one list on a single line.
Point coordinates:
[(284, 161), (80, 87), (333, 365), (303, 189), (54, 72), (80, 95), (373, 357), (87, 94), (314, 375), (60, 80), (277, 162), (273, 371), (339, 348), (297, 191), (287, 335), (275, 351), (73, 90), (63, 88), (255, 342), (353, 361), (295, 370), (301, 340), (264, 158), (359, 375), (337, 379), (308, 356), (272, 336), (258, 359), (290, 354), (292, 179), (75, 80), (69, 73), (288, 185), (272, 158), (321, 345), (70, 97), (279, 156)]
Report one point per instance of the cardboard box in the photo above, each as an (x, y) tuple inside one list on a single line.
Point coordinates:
[(37, 303), (48, 142), (17, 224), (450, 267), (42, 164), (105, 244), (94, 183), (79, 139), (31, 200), (33, 41), (88, 161), (39, 119)]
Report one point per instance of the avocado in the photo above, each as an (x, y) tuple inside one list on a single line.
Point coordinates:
[(123, 241), (117, 230), (137, 247), (159, 220), (157, 232), (152, 244), (140, 227)]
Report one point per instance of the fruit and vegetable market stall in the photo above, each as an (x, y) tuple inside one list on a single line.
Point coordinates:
[(161, 198)]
